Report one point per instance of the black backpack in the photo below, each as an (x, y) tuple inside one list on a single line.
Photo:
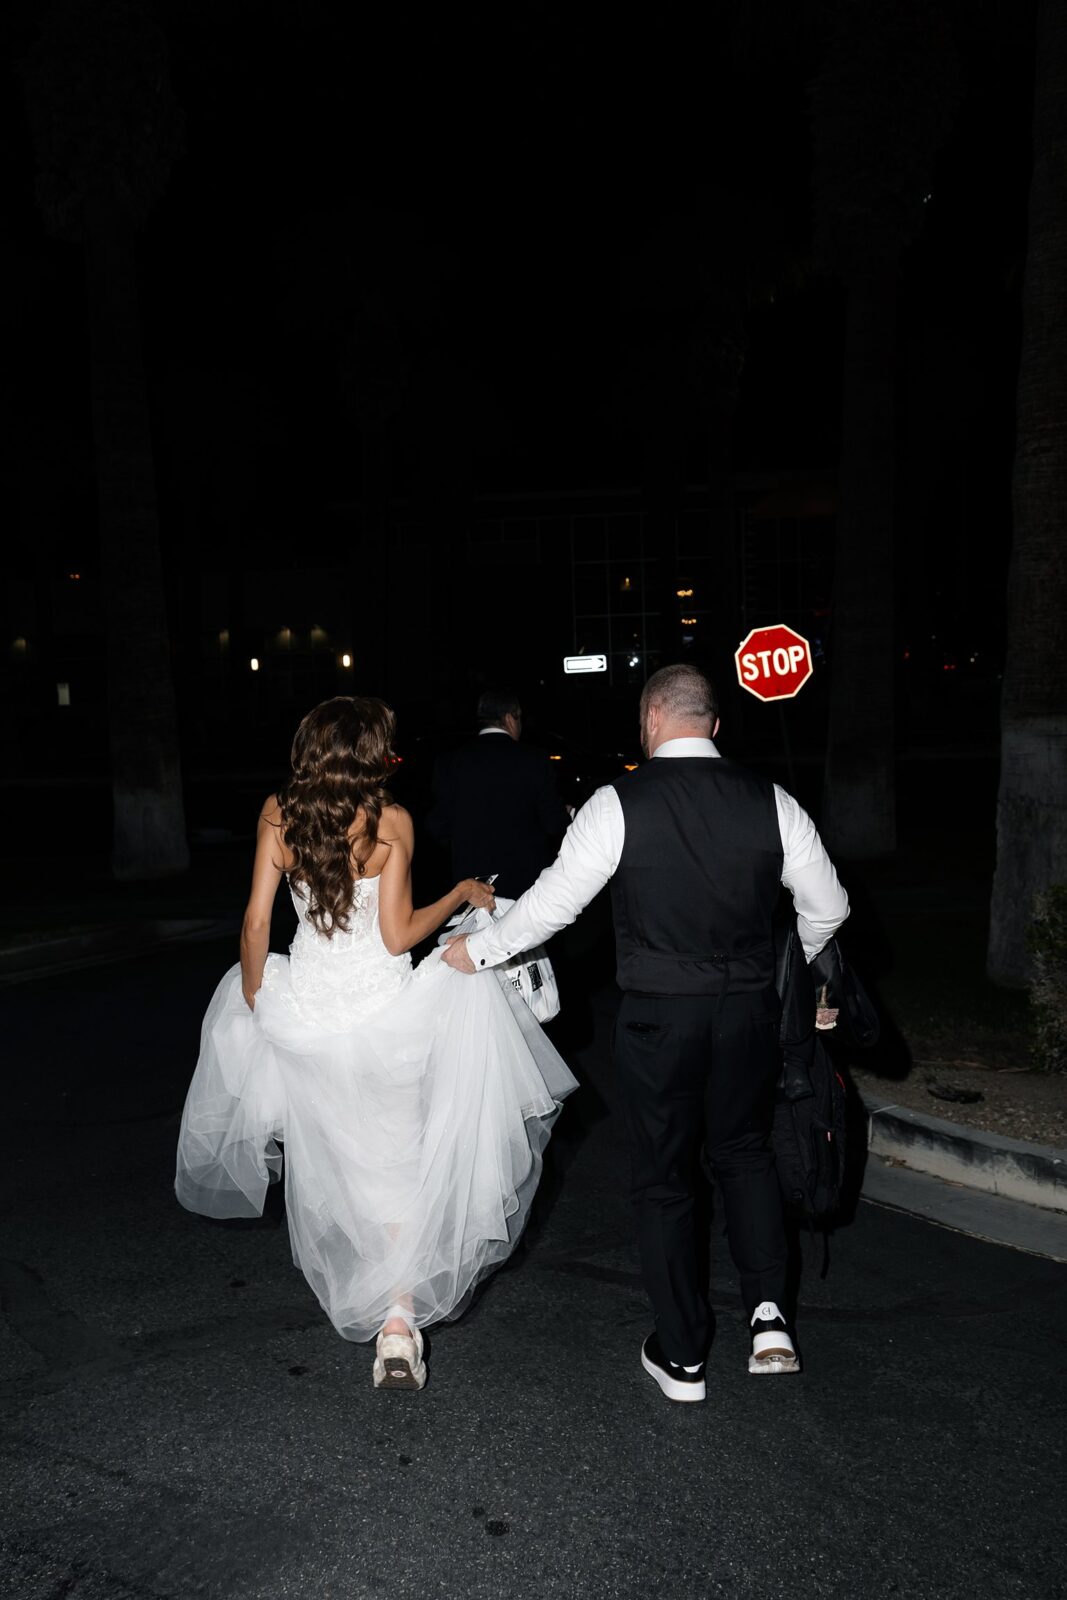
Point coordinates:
[(809, 1136)]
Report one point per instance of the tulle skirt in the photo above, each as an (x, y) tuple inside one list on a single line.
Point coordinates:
[(413, 1137)]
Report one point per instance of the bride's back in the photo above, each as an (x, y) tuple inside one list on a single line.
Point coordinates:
[(330, 813)]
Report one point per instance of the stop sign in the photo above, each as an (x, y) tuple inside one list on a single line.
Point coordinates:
[(773, 663)]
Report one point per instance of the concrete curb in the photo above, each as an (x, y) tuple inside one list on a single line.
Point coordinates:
[(1013, 1168), (992, 1217), (99, 946)]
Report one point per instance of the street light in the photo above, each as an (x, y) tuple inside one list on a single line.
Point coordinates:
[(346, 660), (254, 663)]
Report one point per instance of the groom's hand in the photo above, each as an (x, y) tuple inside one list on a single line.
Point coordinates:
[(455, 954)]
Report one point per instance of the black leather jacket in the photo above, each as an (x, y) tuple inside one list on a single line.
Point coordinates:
[(799, 985)]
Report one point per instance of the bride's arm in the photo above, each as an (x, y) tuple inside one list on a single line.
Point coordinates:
[(266, 876), (401, 925)]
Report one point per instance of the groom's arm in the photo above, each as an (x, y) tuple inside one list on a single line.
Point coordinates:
[(808, 873), (588, 856)]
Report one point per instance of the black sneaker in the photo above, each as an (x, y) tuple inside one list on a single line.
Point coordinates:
[(675, 1381), (772, 1348)]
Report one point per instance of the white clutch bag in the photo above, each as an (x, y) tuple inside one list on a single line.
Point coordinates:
[(534, 981), (531, 977)]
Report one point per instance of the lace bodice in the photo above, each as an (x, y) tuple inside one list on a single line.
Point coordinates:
[(362, 921), (334, 981)]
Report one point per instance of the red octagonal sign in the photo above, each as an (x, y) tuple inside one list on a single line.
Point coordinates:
[(773, 663)]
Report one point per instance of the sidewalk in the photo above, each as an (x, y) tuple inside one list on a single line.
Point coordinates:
[(1009, 1191), (995, 1163), (41, 955), (66, 923), (1019, 1169)]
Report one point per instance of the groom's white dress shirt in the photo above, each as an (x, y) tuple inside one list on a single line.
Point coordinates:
[(590, 854)]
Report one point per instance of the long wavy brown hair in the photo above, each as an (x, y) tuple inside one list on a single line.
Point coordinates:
[(341, 757)]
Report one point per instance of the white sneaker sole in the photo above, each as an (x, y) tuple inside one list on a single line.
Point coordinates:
[(777, 1362), (398, 1361), (396, 1373), (683, 1392)]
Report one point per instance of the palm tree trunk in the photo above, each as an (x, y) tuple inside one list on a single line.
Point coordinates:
[(859, 804), (149, 824), (1032, 802)]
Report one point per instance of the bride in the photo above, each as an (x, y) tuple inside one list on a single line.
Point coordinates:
[(414, 1104)]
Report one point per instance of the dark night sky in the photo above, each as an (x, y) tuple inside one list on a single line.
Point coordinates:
[(538, 197)]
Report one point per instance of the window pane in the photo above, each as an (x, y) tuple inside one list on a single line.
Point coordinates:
[(624, 536), (588, 538), (590, 589)]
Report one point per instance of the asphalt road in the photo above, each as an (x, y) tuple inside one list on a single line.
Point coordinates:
[(179, 1419)]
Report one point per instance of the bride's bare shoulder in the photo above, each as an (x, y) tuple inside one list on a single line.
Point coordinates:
[(271, 823), (395, 824)]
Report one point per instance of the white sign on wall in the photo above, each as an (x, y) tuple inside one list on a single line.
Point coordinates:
[(585, 663)]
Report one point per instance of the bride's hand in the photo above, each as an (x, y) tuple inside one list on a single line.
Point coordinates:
[(479, 894)]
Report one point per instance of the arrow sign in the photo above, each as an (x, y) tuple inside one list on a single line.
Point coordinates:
[(585, 663), (773, 663)]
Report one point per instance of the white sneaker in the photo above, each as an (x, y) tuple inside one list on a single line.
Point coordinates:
[(398, 1362), (772, 1348), (677, 1383)]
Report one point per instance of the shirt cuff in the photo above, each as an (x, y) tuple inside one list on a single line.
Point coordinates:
[(484, 948), (475, 947)]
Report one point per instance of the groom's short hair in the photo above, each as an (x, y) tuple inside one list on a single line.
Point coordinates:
[(496, 704), (682, 693)]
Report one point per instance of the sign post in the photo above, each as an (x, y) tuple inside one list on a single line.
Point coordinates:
[(774, 664)]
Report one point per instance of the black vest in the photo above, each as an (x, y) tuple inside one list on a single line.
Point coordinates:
[(696, 886)]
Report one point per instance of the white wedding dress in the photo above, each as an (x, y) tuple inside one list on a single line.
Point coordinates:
[(413, 1103)]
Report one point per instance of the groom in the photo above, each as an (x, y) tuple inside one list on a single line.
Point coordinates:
[(695, 848)]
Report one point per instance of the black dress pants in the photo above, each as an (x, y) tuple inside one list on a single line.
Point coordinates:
[(699, 1070)]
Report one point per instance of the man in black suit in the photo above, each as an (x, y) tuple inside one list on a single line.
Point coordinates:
[(495, 802)]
